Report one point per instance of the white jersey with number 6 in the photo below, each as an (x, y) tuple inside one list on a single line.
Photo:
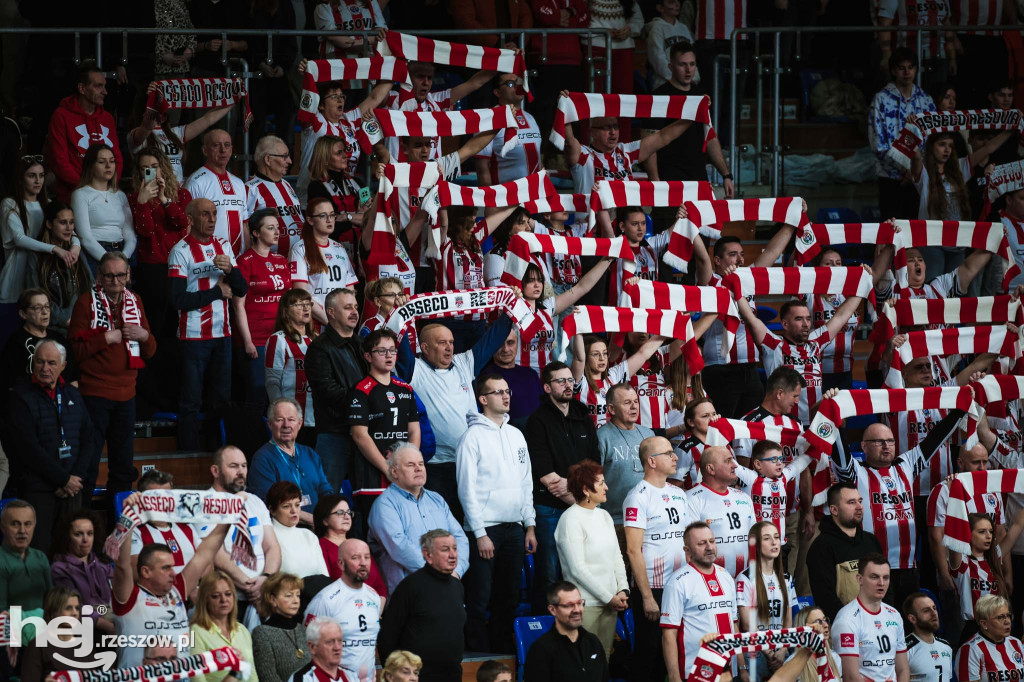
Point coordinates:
[(358, 613), (663, 514), (875, 637), (696, 604), (339, 272)]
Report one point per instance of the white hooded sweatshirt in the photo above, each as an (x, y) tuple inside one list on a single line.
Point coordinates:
[(494, 475)]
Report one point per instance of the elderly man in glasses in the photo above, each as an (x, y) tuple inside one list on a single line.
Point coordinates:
[(110, 339)]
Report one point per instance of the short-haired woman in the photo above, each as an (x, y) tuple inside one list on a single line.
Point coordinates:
[(279, 644), (300, 549)]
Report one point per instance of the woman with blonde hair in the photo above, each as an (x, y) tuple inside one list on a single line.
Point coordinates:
[(330, 179), (993, 653), (402, 666), (279, 644), (103, 218), (215, 622)]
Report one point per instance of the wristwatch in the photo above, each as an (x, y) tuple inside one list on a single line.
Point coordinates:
[(727, 176), (348, 217)]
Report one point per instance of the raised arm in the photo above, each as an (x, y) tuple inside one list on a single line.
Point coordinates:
[(656, 141), (844, 312), (979, 157), (475, 145), (754, 324), (572, 145), (883, 259), (478, 80), (776, 245), (635, 361), (579, 360), (201, 124), (972, 265), (203, 559), (569, 297)]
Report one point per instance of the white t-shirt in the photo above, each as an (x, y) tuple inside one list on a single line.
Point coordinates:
[(952, 206), (339, 273), (228, 194), (746, 595), (144, 613), (172, 151), (695, 604), (663, 514), (730, 515), (874, 637), (358, 613), (259, 521)]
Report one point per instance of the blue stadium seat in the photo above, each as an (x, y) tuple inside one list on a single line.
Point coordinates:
[(346, 490), (627, 616), (119, 499), (862, 421), (938, 607), (837, 214), (527, 630), (802, 603), (766, 313), (871, 214)]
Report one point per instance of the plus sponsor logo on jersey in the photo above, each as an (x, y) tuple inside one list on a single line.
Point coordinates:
[(631, 513), (847, 640)]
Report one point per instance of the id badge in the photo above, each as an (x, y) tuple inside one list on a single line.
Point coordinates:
[(64, 451), (305, 501)]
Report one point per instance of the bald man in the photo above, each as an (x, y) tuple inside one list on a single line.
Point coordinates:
[(655, 514), (885, 482), (355, 605), (728, 511), (225, 190)]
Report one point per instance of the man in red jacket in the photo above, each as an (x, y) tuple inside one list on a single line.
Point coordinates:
[(80, 121)]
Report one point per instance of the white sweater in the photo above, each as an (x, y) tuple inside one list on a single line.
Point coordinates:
[(300, 551), (589, 552), (495, 477), (102, 216)]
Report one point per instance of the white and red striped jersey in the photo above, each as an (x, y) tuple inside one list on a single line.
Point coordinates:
[(346, 16), (716, 19), (192, 260), (228, 194), (988, 504), (743, 350), (977, 13), (594, 397), (695, 604), (874, 637), (663, 514), (646, 256), (910, 428), (746, 595), (974, 579), (688, 454), (918, 13), (345, 128), (371, 323), (744, 447), (172, 151), (564, 270), (338, 275), (403, 100), (267, 278), (837, 354), (286, 372), (538, 350), (146, 614), (402, 268), (889, 510), (805, 358), (730, 515), (520, 161), (769, 495), (279, 196), (653, 390), (982, 659), (1015, 237), (179, 537), (594, 165), (459, 267)]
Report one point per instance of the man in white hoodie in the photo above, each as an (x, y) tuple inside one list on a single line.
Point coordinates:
[(496, 491)]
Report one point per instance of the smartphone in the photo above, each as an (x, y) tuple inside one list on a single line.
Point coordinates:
[(364, 195), (149, 174)]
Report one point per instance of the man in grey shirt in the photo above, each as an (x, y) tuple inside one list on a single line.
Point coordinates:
[(619, 444)]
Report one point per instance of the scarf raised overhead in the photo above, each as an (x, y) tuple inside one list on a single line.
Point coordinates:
[(443, 304), (664, 296), (609, 194), (580, 106), (412, 176), (396, 123), (199, 93), (955, 233), (812, 237), (323, 70), (971, 485), (523, 246), (848, 281), (914, 134)]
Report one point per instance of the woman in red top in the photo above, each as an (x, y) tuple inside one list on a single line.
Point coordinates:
[(332, 521), (268, 276)]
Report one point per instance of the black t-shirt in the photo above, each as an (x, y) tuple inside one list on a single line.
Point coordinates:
[(683, 158), (385, 410)]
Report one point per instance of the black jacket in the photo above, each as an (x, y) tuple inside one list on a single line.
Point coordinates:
[(554, 657), (35, 435), (425, 614), (334, 364), (830, 549), (556, 442)]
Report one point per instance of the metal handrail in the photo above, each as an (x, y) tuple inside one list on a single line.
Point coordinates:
[(776, 71)]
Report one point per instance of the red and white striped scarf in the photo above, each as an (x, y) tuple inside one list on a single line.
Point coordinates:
[(848, 281), (414, 49), (824, 427), (957, 341), (713, 657), (664, 296), (441, 304), (396, 175), (523, 245), (708, 217), (914, 134), (199, 93), (224, 658), (671, 324), (810, 238), (995, 388), (321, 70), (1005, 178), (580, 106), (960, 233), (724, 431), (445, 194), (972, 485), (571, 203), (101, 321), (395, 123), (608, 194)]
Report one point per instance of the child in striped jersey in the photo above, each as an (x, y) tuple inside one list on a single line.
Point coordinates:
[(767, 482)]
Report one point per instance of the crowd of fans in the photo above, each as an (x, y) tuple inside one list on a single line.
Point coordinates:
[(395, 486)]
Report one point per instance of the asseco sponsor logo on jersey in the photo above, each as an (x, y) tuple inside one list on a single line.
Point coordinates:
[(720, 604)]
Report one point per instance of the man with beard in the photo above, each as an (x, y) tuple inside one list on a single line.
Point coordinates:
[(558, 434), (230, 470), (841, 544), (699, 599), (426, 612), (929, 657), (567, 651), (355, 605)]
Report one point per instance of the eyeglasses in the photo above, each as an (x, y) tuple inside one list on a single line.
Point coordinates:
[(304, 305), (336, 97), (111, 276), (342, 512), (561, 382), (329, 217), (572, 605), (1003, 616), (820, 621), (391, 295), (774, 460), (665, 454), (882, 441), (500, 391), (598, 354), (280, 156), (33, 158), (38, 308), (385, 352), (511, 84)]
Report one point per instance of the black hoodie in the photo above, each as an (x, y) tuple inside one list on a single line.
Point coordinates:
[(831, 553)]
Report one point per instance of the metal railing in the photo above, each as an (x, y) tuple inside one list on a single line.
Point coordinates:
[(776, 71)]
